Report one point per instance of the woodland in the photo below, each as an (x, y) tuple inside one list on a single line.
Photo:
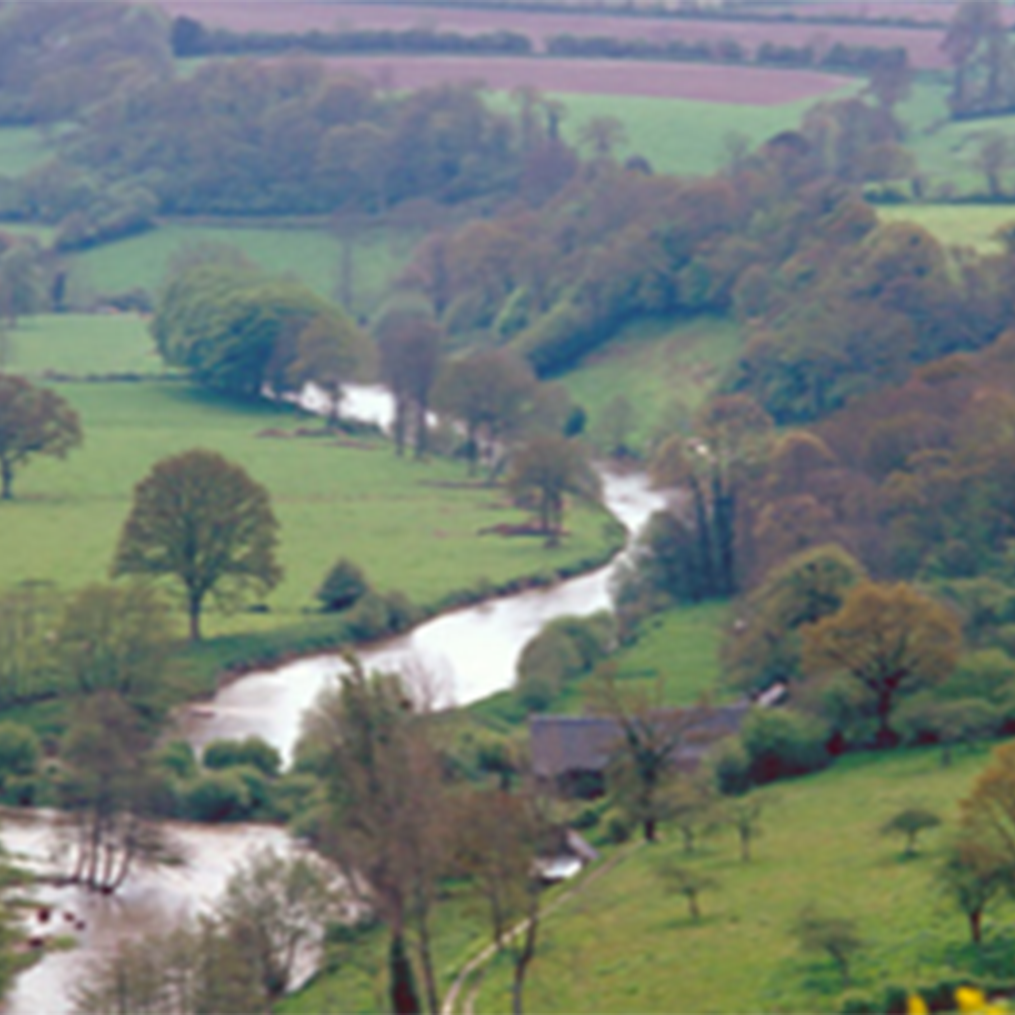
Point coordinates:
[(826, 391)]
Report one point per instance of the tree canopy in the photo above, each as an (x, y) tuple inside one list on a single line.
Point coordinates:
[(201, 520), (33, 421), (239, 330), (891, 639)]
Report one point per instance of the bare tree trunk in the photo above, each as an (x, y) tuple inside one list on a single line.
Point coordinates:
[(194, 615), (403, 990), (426, 961), (525, 956), (6, 480)]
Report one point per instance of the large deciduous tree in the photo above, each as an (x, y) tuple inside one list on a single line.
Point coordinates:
[(410, 348), (240, 330), (891, 639), (489, 394), (544, 471), (109, 794), (329, 352), (33, 421), (384, 821), (731, 435), (201, 520)]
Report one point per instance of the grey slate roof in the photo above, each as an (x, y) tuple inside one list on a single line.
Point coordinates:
[(577, 743)]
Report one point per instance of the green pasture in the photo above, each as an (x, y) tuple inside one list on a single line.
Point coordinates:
[(680, 135), (81, 345), (675, 657), (625, 945), (21, 149), (945, 150), (657, 364), (312, 254), (412, 526), (964, 225)]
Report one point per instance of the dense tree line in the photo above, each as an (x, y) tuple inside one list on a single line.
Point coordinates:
[(980, 51), (58, 58), (617, 243), (192, 38), (839, 57), (249, 137)]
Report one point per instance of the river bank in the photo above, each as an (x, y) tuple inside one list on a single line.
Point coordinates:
[(468, 652)]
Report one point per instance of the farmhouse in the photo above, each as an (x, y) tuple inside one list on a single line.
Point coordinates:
[(571, 752)]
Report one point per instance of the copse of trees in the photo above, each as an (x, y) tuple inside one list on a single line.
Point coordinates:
[(297, 139), (241, 331), (60, 58), (759, 238)]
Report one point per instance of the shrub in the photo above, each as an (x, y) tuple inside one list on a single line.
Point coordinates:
[(253, 752), (178, 758), (731, 767), (780, 744), (218, 796), (294, 793), (19, 750), (259, 790), (343, 586)]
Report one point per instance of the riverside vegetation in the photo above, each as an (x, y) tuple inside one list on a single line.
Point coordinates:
[(771, 290)]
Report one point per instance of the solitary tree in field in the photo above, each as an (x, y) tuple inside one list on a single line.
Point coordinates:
[(690, 883), (33, 421), (835, 936), (383, 821), (909, 823), (202, 520), (547, 469), (891, 639)]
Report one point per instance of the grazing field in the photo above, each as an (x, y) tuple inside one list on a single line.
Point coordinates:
[(659, 365), (312, 254), (946, 151), (21, 149), (626, 945), (414, 526), (965, 225), (680, 135), (923, 45), (80, 345), (674, 661)]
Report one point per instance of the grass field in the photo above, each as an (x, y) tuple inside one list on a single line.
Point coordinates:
[(946, 151), (412, 525), (81, 344), (311, 254), (682, 136), (657, 364), (966, 225), (627, 946), (21, 149)]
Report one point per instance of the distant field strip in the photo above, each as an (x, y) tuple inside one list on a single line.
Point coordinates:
[(923, 45), (751, 86), (965, 225)]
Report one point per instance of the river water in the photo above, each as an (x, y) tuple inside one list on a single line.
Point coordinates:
[(469, 653)]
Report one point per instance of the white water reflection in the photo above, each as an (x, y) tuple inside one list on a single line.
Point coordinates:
[(471, 652), (150, 900)]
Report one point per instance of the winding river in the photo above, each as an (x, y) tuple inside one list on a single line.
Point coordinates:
[(470, 653)]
